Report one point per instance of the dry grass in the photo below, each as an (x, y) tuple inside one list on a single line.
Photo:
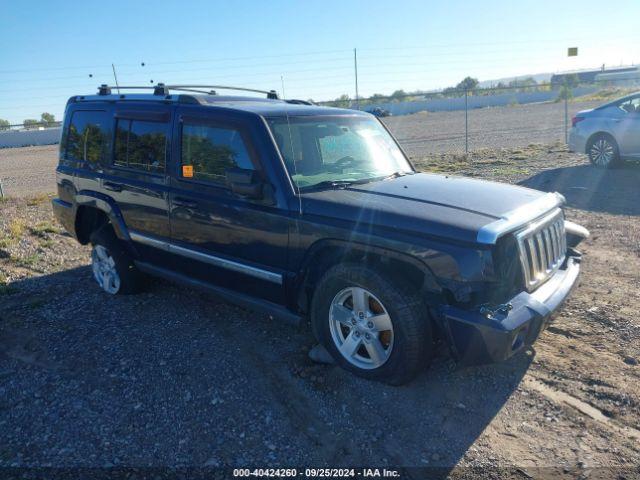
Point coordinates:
[(606, 94), (16, 229)]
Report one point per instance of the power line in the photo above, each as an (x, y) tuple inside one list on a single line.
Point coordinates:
[(321, 52), (178, 62)]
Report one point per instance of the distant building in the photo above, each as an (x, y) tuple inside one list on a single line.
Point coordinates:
[(589, 76), (619, 79)]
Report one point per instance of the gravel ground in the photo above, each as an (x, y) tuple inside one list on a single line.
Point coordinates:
[(174, 377), (30, 170)]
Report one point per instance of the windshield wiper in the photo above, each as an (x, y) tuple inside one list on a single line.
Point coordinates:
[(395, 175), (329, 184)]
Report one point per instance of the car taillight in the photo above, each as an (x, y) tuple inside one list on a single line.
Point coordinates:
[(576, 120)]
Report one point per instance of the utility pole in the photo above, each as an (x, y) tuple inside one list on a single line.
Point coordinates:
[(566, 116), (355, 65), (115, 76), (282, 81), (466, 122)]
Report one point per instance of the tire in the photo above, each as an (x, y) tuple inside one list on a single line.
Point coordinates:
[(603, 151), (113, 268), (341, 327)]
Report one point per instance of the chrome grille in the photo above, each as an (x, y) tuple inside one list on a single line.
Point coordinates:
[(543, 247)]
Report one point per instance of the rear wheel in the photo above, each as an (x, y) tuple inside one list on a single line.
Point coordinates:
[(112, 267), (372, 325), (603, 151)]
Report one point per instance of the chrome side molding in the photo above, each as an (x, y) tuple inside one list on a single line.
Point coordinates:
[(514, 219), (255, 272)]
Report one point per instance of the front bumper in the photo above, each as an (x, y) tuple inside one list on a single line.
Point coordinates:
[(476, 339)]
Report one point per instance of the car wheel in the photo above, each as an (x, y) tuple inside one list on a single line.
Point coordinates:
[(603, 151), (372, 325), (112, 267)]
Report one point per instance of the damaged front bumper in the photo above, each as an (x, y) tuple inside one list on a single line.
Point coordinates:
[(477, 338)]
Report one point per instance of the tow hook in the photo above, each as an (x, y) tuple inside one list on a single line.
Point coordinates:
[(491, 312)]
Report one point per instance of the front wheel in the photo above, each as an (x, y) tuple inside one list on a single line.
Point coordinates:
[(372, 325), (603, 151)]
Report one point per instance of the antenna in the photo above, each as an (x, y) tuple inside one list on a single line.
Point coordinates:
[(282, 81), (115, 76), (355, 65)]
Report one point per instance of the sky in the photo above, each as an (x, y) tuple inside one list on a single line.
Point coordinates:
[(50, 48)]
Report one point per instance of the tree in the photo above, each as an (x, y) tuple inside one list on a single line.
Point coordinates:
[(569, 82), (48, 119), (343, 101), (399, 95), (468, 83), (4, 124), (30, 123)]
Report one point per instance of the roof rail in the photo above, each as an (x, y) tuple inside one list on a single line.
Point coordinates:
[(162, 90)]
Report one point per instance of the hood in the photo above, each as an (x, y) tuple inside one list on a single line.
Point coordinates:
[(449, 207)]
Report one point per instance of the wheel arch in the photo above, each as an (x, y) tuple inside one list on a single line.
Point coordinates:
[(326, 253), (600, 133), (93, 210)]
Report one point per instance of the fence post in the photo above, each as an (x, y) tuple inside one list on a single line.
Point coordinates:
[(466, 122), (1, 189), (566, 117)]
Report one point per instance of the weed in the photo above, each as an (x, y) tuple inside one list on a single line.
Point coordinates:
[(17, 228), (46, 243), (42, 228), (37, 199), (28, 262)]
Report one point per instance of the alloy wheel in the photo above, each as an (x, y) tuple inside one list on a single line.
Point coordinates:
[(602, 152), (104, 270), (361, 328)]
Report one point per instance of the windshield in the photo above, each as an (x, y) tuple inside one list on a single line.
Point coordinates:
[(327, 149)]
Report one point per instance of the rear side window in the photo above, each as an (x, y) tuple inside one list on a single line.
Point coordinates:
[(88, 136), (141, 145), (210, 151)]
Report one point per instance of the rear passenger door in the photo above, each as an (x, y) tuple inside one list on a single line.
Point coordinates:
[(628, 128), (136, 177), (220, 237)]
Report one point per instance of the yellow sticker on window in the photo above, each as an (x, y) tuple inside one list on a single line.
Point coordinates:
[(187, 171)]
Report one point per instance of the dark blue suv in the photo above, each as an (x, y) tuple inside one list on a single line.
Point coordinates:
[(307, 212)]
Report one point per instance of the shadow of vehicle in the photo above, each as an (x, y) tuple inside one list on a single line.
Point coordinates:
[(615, 191), (174, 377)]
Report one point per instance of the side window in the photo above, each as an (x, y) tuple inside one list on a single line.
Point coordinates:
[(631, 106), (213, 150), (88, 136), (141, 145)]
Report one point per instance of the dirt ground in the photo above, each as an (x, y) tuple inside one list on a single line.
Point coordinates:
[(172, 377)]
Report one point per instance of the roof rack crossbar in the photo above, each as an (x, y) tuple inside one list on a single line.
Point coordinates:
[(162, 89)]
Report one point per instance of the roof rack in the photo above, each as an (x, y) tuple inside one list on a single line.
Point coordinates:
[(163, 90)]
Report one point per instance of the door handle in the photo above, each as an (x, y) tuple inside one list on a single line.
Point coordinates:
[(181, 202), (114, 187)]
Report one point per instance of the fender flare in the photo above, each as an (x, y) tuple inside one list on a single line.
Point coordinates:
[(89, 198), (430, 284)]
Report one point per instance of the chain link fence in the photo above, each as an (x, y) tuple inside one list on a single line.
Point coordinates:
[(464, 121)]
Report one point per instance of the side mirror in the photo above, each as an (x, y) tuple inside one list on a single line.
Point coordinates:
[(244, 182)]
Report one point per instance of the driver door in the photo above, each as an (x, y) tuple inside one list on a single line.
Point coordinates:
[(218, 236)]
